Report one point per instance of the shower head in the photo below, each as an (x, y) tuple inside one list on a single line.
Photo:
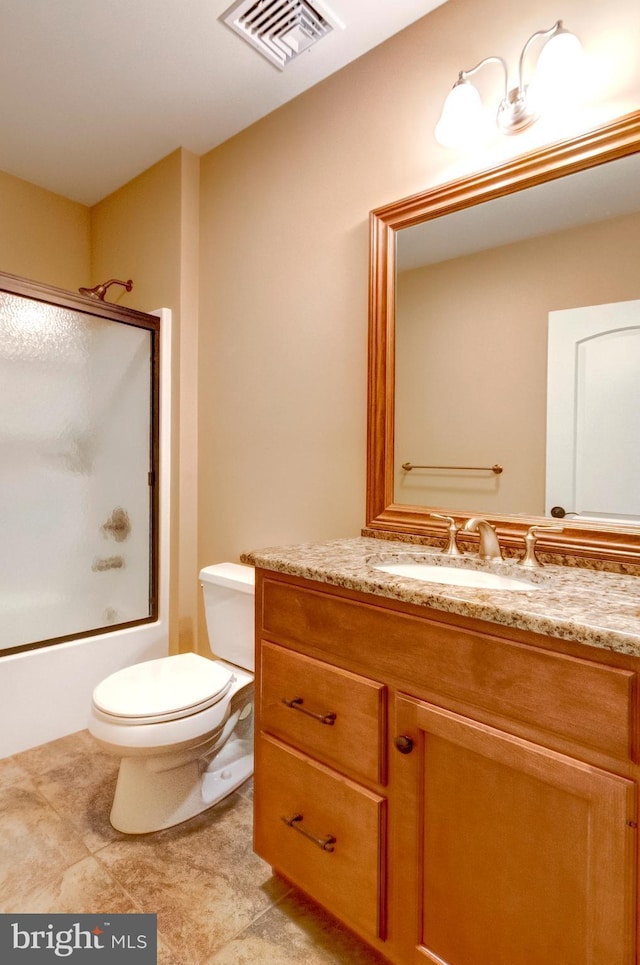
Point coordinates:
[(100, 290)]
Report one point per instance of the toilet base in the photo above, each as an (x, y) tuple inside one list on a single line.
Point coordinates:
[(148, 800), (231, 768)]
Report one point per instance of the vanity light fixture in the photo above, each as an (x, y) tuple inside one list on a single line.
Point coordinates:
[(463, 117)]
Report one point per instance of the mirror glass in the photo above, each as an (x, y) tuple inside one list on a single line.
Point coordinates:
[(479, 379), (504, 350)]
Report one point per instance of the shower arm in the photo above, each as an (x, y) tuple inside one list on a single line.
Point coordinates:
[(101, 290)]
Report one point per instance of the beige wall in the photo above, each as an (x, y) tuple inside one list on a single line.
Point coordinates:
[(42, 236), (284, 228), (135, 233), (471, 360)]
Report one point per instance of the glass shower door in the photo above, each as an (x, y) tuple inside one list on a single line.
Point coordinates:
[(77, 457)]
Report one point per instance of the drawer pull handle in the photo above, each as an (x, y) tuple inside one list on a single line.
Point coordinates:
[(296, 704), (325, 844)]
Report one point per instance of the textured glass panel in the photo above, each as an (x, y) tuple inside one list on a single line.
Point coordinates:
[(75, 411)]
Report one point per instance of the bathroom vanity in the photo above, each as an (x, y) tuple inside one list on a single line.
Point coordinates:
[(450, 771), (453, 770)]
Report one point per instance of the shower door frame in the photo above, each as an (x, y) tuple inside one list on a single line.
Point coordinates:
[(61, 298)]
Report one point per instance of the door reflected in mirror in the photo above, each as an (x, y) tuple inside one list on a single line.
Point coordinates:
[(593, 413)]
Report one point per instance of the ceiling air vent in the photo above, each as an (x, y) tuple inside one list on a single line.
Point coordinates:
[(281, 29)]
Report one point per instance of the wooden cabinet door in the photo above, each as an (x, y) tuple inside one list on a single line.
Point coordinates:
[(511, 854)]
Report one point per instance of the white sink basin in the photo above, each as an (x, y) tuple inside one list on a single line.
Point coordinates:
[(456, 576)]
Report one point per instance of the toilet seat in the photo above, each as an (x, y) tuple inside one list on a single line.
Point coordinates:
[(169, 688)]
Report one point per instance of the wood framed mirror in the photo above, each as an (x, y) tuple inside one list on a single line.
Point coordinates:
[(567, 179)]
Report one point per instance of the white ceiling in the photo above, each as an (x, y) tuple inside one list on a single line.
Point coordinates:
[(92, 92)]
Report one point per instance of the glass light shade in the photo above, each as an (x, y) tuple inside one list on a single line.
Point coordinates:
[(462, 118), (559, 72)]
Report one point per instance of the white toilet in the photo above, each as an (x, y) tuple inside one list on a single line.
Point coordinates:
[(183, 725)]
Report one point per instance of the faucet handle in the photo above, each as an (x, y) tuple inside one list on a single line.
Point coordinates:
[(451, 549), (530, 559)]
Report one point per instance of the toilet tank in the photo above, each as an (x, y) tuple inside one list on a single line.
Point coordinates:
[(229, 591)]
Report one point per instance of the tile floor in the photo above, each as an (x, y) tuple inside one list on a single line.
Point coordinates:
[(217, 903)]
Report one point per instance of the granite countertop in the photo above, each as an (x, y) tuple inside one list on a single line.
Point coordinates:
[(591, 607)]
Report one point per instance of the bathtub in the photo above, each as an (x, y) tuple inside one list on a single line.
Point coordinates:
[(46, 693)]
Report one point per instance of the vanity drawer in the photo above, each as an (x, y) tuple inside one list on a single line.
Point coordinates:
[(322, 832), (337, 716)]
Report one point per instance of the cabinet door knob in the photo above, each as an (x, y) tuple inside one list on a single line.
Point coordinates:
[(404, 744)]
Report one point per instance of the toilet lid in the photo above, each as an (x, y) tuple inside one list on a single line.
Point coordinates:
[(163, 689)]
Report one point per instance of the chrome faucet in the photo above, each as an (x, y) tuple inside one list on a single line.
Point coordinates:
[(488, 546)]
